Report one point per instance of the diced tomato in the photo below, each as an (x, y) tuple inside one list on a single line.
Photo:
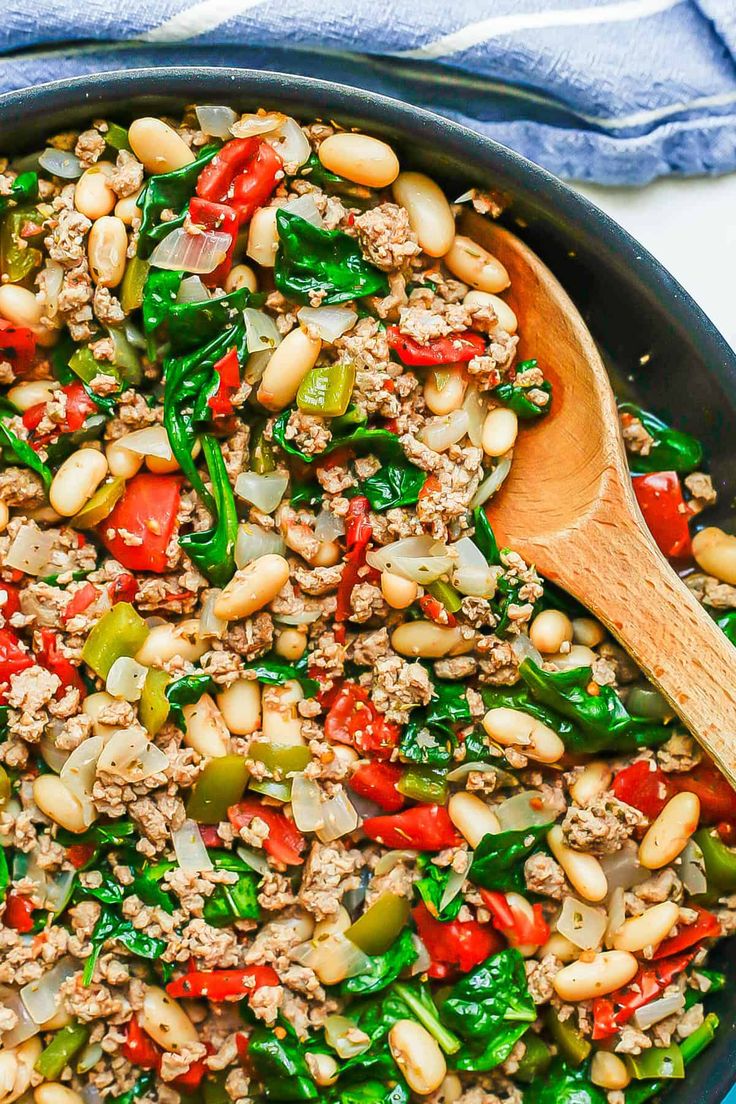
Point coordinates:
[(421, 828), (354, 720), (717, 797), (705, 927), (228, 370), (223, 219), (454, 349), (659, 495), (252, 188), (13, 659), (50, 656), (377, 782), (461, 944), (284, 841), (18, 912), (642, 787), (513, 921), (243, 174), (17, 345), (148, 509), (219, 985), (80, 601), (358, 532)]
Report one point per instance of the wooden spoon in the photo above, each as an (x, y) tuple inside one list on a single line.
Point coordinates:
[(568, 507)]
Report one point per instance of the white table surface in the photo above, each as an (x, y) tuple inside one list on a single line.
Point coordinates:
[(689, 225)]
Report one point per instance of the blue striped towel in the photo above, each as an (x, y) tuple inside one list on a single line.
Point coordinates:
[(616, 91)]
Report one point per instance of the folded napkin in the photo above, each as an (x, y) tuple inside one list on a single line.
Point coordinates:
[(616, 91)]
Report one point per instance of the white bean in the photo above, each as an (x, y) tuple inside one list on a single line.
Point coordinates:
[(252, 587), (206, 731), (514, 728), (76, 481), (289, 364), (166, 641), (93, 705), (418, 1056), (667, 836), (588, 631), (93, 195), (561, 947), (166, 1021), (444, 390), (583, 870), (126, 209), (647, 930), (600, 974), (500, 430), (578, 656), (53, 1092), (158, 146), (425, 640), (20, 306), (31, 392), (360, 158), (323, 1068), (16, 1068), (398, 591), (474, 265), (58, 802), (4, 516), (592, 781), (281, 722), (549, 630), (263, 237), (291, 644), (507, 320), (107, 244), (121, 461), (715, 553), (472, 817), (241, 276), (240, 705), (608, 1071), (430, 215)]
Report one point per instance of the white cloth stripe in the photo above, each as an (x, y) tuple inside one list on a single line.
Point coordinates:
[(207, 15), (475, 33)]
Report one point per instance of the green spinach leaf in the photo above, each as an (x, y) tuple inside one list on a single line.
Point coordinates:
[(24, 189), (111, 925), (517, 398), (498, 860), (563, 1084), (484, 537), (385, 968), (186, 691), (673, 450), (213, 550), (313, 261), (27, 457), (280, 1067), (431, 887), (168, 192), (276, 671)]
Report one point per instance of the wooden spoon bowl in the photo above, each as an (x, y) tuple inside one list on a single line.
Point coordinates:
[(568, 507)]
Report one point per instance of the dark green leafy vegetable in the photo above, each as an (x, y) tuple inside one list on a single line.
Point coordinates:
[(159, 295), (237, 901), (431, 744), (385, 968), (727, 623), (498, 859), (312, 261), (315, 172), (535, 1060), (26, 456), (484, 537), (213, 550), (188, 325), (24, 189), (673, 450), (146, 885), (99, 836), (168, 191), (67, 443), (431, 886), (4, 874), (276, 671), (517, 398), (371, 1092), (418, 1000), (109, 890), (563, 1084), (141, 1087), (112, 926), (280, 1067), (186, 691)]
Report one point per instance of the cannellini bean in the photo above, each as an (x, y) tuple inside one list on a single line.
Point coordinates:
[(578, 656), (594, 977), (474, 265), (430, 215), (291, 644), (418, 1056), (360, 158), (53, 1092), (667, 836), (106, 249), (514, 728), (588, 631), (647, 930), (59, 803), (93, 705), (263, 237), (206, 731), (121, 461), (448, 397), (715, 552), (158, 146), (323, 1068), (426, 640), (252, 587), (241, 276), (31, 392), (289, 364), (608, 1071), (450, 1090), (398, 591), (561, 947), (166, 1021), (500, 429), (166, 641), (592, 781), (507, 320), (472, 817), (281, 721), (76, 481), (327, 555), (126, 209), (20, 306), (16, 1068), (4, 516), (93, 195), (240, 705), (583, 870), (549, 630)]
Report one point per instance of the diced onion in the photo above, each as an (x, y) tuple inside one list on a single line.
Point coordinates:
[(78, 774), (340, 817), (622, 867), (210, 625), (215, 120), (423, 960), (582, 924), (130, 755), (472, 574), (256, 860), (264, 491), (616, 914), (440, 433), (26, 1026), (41, 997), (192, 290), (328, 526), (200, 253), (53, 276), (305, 207), (125, 679), (61, 163), (345, 1037), (390, 859), (491, 483), (89, 1058), (253, 541), (261, 332), (248, 125), (306, 803), (453, 886), (329, 322), (59, 891), (290, 143), (133, 334), (458, 773), (466, 196), (524, 810), (304, 617), (476, 410), (692, 868), (53, 757), (332, 956), (31, 550), (523, 648), (658, 1010), (191, 853), (90, 1093), (422, 559)]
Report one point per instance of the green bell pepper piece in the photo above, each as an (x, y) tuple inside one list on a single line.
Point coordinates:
[(134, 281), (116, 137), (657, 1063), (280, 760), (445, 593), (5, 787), (380, 924), (673, 450), (100, 505), (24, 189), (58, 1054), (720, 860), (279, 791), (126, 358), (153, 708), (690, 1048), (426, 784), (573, 1046), (18, 258), (121, 632), (535, 1060), (219, 786), (311, 260), (84, 365), (327, 390), (213, 1089)]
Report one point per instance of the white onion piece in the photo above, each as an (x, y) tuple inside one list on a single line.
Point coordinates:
[(453, 885), (523, 648), (423, 960), (192, 290), (130, 755), (658, 1010), (78, 774), (305, 207), (390, 859), (340, 817), (31, 550), (476, 410), (58, 891), (200, 253), (215, 120), (328, 525), (125, 679), (524, 810), (622, 867), (191, 853), (134, 335), (90, 1093), (306, 803), (259, 123), (329, 322), (616, 914), (491, 483), (41, 997), (264, 491), (151, 441), (89, 1058), (334, 951), (306, 617), (422, 559), (54, 757), (466, 196), (210, 625), (26, 1027), (53, 275), (466, 553), (458, 773), (345, 1037), (692, 868), (290, 143), (440, 433), (255, 366), (253, 542), (262, 333), (61, 163), (256, 860), (582, 924), (472, 574)]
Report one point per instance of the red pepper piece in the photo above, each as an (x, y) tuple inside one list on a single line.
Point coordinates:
[(432, 608), (81, 601), (354, 720), (17, 345), (358, 529), (659, 495), (50, 656), (192, 1079), (223, 219), (717, 798), (253, 187), (79, 854), (705, 927), (139, 1048), (148, 509), (215, 179), (79, 406), (243, 175), (18, 912), (454, 349), (422, 828), (643, 788), (284, 841), (454, 943), (228, 370), (13, 659), (123, 588), (519, 929), (358, 532), (377, 782), (219, 985), (612, 1012), (210, 835), (10, 604)]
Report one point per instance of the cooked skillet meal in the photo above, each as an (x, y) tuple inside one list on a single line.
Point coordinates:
[(310, 790)]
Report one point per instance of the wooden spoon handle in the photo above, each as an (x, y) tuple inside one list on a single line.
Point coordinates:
[(645, 605)]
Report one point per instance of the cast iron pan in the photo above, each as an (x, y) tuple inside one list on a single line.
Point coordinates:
[(658, 344)]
